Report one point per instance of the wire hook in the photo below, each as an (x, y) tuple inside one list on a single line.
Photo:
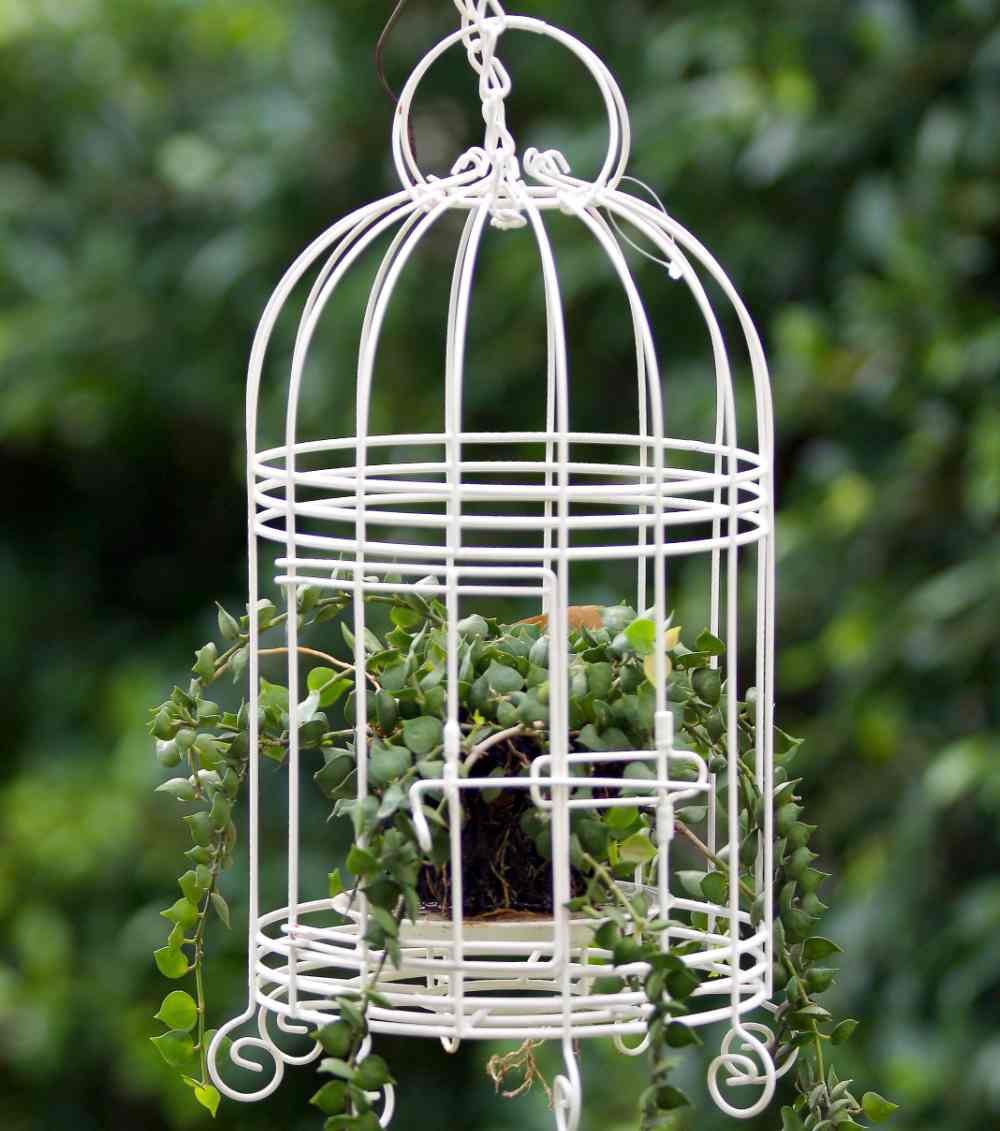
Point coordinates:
[(380, 46)]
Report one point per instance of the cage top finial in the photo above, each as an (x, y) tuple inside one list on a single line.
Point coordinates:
[(494, 82), (499, 147), (493, 170)]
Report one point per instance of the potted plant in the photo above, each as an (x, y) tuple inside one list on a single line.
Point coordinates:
[(506, 838)]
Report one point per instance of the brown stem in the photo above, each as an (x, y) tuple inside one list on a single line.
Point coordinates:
[(487, 744), (342, 664), (710, 855)]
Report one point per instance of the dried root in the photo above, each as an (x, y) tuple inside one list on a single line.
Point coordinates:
[(519, 1062)]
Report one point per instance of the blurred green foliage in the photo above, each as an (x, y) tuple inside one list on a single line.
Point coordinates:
[(162, 160)]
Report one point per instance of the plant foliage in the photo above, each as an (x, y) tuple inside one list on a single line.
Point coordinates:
[(504, 691)]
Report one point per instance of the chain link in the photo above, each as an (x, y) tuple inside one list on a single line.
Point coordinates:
[(494, 81)]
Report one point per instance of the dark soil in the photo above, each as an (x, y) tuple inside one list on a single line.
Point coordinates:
[(502, 871)]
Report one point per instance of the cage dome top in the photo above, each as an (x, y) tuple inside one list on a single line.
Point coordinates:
[(494, 186)]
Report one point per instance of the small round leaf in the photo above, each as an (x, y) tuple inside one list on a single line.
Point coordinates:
[(176, 1047), (171, 961), (877, 1108), (178, 1011)]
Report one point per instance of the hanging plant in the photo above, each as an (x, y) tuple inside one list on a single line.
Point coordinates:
[(506, 839)]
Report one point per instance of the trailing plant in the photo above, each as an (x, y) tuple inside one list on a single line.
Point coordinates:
[(504, 695)]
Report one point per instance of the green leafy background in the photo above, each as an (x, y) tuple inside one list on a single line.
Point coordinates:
[(162, 160)]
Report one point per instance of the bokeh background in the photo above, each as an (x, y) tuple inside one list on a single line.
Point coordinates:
[(161, 161)]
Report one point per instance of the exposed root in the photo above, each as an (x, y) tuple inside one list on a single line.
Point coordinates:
[(521, 1061)]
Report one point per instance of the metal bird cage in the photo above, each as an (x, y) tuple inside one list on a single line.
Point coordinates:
[(509, 514)]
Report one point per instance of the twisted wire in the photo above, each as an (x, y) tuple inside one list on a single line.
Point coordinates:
[(480, 42), (494, 81)]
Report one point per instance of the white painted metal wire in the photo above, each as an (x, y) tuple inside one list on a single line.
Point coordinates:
[(338, 502)]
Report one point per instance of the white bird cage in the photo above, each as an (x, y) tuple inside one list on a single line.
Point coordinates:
[(337, 502)]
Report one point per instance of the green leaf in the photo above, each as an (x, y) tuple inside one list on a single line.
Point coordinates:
[(877, 1108), (790, 1120), (386, 711), (637, 772), (608, 985), (474, 626), (228, 625), (332, 778), (328, 684), (691, 882), (679, 1036), (783, 742), (708, 684), (373, 1074), (407, 618), (714, 887), (681, 984), (820, 978), (616, 618), (606, 935), (622, 817), (669, 1098), (387, 763), (163, 725), (221, 908), (628, 950), (394, 677), (365, 1122), (272, 695), (238, 663), (600, 677), (336, 1066), (844, 1031), (385, 920), (816, 949), (336, 883), (360, 862), (266, 612), (423, 735), (191, 886), (811, 1013), (593, 834), (208, 1097), (706, 642), (502, 679), (331, 1099), (352, 1015), (176, 1047), (171, 961), (221, 812), (178, 1011), (167, 753), (641, 636), (335, 1039), (637, 849), (180, 788), (204, 661), (589, 739), (202, 829)]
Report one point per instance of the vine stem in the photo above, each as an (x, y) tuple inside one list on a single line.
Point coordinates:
[(609, 882), (304, 651), (199, 955), (487, 744), (374, 976), (703, 848)]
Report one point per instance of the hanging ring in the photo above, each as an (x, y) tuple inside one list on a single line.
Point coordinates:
[(619, 130)]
